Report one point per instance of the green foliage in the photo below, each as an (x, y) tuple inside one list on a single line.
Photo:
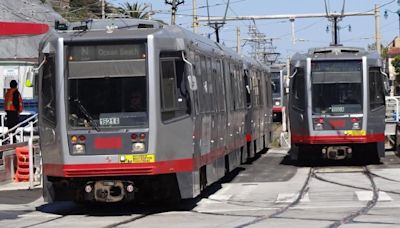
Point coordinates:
[(84, 9), (135, 10), (396, 64)]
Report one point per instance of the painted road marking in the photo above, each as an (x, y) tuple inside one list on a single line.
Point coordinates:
[(222, 193), (367, 196), (291, 197)]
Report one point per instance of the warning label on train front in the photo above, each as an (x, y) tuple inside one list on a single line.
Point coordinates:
[(137, 158)]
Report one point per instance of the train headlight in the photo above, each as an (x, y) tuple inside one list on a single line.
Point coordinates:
[(277, 103), (318, 126), (78, 149), (356, 125), (138, 147)]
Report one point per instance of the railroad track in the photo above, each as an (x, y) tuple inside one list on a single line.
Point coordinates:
[(314, 174)]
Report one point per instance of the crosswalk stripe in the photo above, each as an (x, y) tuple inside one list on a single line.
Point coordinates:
[(291, 197), (368, 195)]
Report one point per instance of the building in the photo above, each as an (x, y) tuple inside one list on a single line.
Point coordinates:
[(393, 51), (19, 54)]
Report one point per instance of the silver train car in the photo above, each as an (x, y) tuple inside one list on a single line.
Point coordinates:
[(136, 111), (278, 94), (337, 104)]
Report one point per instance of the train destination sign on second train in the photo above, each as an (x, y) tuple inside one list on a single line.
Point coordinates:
[(107, 52)]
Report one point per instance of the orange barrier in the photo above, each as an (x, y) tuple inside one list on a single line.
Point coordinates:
[(22, 173)]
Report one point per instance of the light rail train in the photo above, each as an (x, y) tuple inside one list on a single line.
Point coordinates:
[(337, 104), (131, 110), (278, 94)]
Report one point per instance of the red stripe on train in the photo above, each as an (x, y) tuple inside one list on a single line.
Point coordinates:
[(335, 139), (118, 169), (122, 169)]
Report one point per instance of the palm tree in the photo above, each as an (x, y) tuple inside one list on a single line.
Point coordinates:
[(135, 10)]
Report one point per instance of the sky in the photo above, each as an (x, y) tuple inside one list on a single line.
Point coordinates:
[(310, 32)]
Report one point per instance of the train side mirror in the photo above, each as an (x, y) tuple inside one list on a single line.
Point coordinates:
[(386, 83), (32, 73), (387, 86), (191, 77), (192, 82), (30, 78)]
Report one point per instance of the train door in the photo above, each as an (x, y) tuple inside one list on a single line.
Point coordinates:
[(268, 109), (376, 122), (196, 111), (297, 104), (249, 109)]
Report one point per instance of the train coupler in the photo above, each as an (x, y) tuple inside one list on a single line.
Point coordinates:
[(109, 191), (337, 152)]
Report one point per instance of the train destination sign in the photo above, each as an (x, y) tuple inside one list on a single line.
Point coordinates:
[(107, 52)]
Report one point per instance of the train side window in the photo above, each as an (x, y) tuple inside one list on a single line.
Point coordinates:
[(221, 86), (204, 86), (210, 94), (247, 88), (233, 87), (48, 89), (376, 88), (197, 69), (216, 89), (241, 86), (260, 93), (173, 89), (298, 90)]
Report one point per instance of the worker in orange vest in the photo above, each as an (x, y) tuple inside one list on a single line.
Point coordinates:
[(13, 104)]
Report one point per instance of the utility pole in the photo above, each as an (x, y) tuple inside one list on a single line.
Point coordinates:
[(262, 47), (293, 30), (103, 11), (378, 37), (174, 7), (238, 40), (195, 23), (216, 25)]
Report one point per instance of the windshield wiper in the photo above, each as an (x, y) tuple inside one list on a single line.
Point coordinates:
[(89, 117)]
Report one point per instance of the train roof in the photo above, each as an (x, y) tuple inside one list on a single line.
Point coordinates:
[(109, 29), (122, 28), (336, 52)]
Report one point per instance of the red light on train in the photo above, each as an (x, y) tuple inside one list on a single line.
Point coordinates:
[(82, 138), (134, 136), (321, 120), (355, 120), (142, 136)]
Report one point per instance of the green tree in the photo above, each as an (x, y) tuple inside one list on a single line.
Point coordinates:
[(396, 64), (135, 10), (84, 9)]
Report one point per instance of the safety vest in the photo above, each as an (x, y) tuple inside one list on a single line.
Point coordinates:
[(8, 100)]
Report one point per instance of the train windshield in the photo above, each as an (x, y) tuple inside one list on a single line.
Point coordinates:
[(276, 84), (107, 86), (336, 87)]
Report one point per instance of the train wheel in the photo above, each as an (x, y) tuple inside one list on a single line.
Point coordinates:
[(367, 154), (48, 191), (264, 142), (227, 166), (294, 152), (203, 178)]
